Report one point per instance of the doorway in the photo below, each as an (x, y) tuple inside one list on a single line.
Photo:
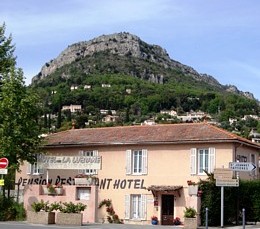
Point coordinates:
[(167, 209)]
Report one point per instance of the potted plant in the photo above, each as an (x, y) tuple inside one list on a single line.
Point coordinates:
[(41, 214), (154, 220), (70, 213), (177, 221), (58, 189), (51, 189), (190, 220), (83, 179)]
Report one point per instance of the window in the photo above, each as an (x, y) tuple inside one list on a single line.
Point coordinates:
[(35, 168), (135, 207), (83, 193), (202, 160), (90, 153), (136, 162)]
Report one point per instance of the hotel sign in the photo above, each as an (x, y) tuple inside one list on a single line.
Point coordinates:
[(70, 162)]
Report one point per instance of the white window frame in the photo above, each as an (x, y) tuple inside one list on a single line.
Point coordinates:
[(35, 168), (135, 207), (136, 162), (202, 159), (88, 153)]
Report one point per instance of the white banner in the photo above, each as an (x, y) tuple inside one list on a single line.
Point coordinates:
[(70, 162)]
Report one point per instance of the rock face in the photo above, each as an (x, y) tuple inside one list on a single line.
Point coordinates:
[(122, 44), (119, 43), (126, 44)]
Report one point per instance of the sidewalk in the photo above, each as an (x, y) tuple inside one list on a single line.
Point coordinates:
[(234, 227)]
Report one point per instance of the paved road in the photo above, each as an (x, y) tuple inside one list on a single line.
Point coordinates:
[(25, 225)]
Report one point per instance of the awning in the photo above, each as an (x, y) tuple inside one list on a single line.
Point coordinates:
[(165, 189)]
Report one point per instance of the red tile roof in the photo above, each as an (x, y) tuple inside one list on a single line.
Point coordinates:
[(156, 134)]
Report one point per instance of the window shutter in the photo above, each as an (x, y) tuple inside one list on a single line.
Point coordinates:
[(144, 161), (95, 154), (29, 168), (127, 206), (193, 161), (212, 160), (39, 165), (41, 169), (81, 153), (143, 206), (128, 161), (81, 171)]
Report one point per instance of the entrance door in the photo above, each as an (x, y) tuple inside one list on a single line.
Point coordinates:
[(167, 209)]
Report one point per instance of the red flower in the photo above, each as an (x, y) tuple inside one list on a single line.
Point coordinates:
[(154, 218)]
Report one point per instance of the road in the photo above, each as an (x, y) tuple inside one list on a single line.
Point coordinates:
[(25, 225)]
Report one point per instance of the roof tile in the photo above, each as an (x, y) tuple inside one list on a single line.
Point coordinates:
[(170, 133)]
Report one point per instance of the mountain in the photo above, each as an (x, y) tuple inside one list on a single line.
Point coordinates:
[(128, 54)]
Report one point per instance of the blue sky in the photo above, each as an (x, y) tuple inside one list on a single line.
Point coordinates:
[(217, 37)]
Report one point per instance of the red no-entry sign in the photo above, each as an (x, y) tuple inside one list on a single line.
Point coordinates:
[(3, 163)]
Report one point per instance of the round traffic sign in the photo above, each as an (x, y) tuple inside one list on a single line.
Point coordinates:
[(3, 163)]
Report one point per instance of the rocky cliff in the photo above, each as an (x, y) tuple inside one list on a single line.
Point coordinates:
[(128, 45)]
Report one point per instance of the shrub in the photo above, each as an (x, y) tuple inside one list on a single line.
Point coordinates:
[(10, 210), (40, 206), (112, 216), (69, 207), (189, 212)]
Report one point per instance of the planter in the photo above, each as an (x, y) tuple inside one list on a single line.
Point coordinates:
[(154, 222), (83, 181), (190, 223), (40, 217), (193, 190), (59, 191), (45, 191), (69, 218)]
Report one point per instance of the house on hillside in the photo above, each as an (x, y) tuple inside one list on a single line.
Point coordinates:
[(110, 118), (72, 108), (143, 170)]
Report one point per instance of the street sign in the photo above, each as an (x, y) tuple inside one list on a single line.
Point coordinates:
[(223, 173), (3, 163), (227, 183), (242, 166), (3, 171), (2, 182)]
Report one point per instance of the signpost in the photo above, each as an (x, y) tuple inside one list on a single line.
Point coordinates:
[(228, 183), (223, 178), (3, 171), (223, 174), (3, 163), (242, 166)]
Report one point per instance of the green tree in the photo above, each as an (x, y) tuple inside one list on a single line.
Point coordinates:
[(19, 131), (7, 59)]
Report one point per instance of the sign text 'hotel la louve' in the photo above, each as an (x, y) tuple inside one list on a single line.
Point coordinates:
[(70, 162)]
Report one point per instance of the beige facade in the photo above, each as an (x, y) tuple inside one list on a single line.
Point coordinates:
[(144, 169)]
